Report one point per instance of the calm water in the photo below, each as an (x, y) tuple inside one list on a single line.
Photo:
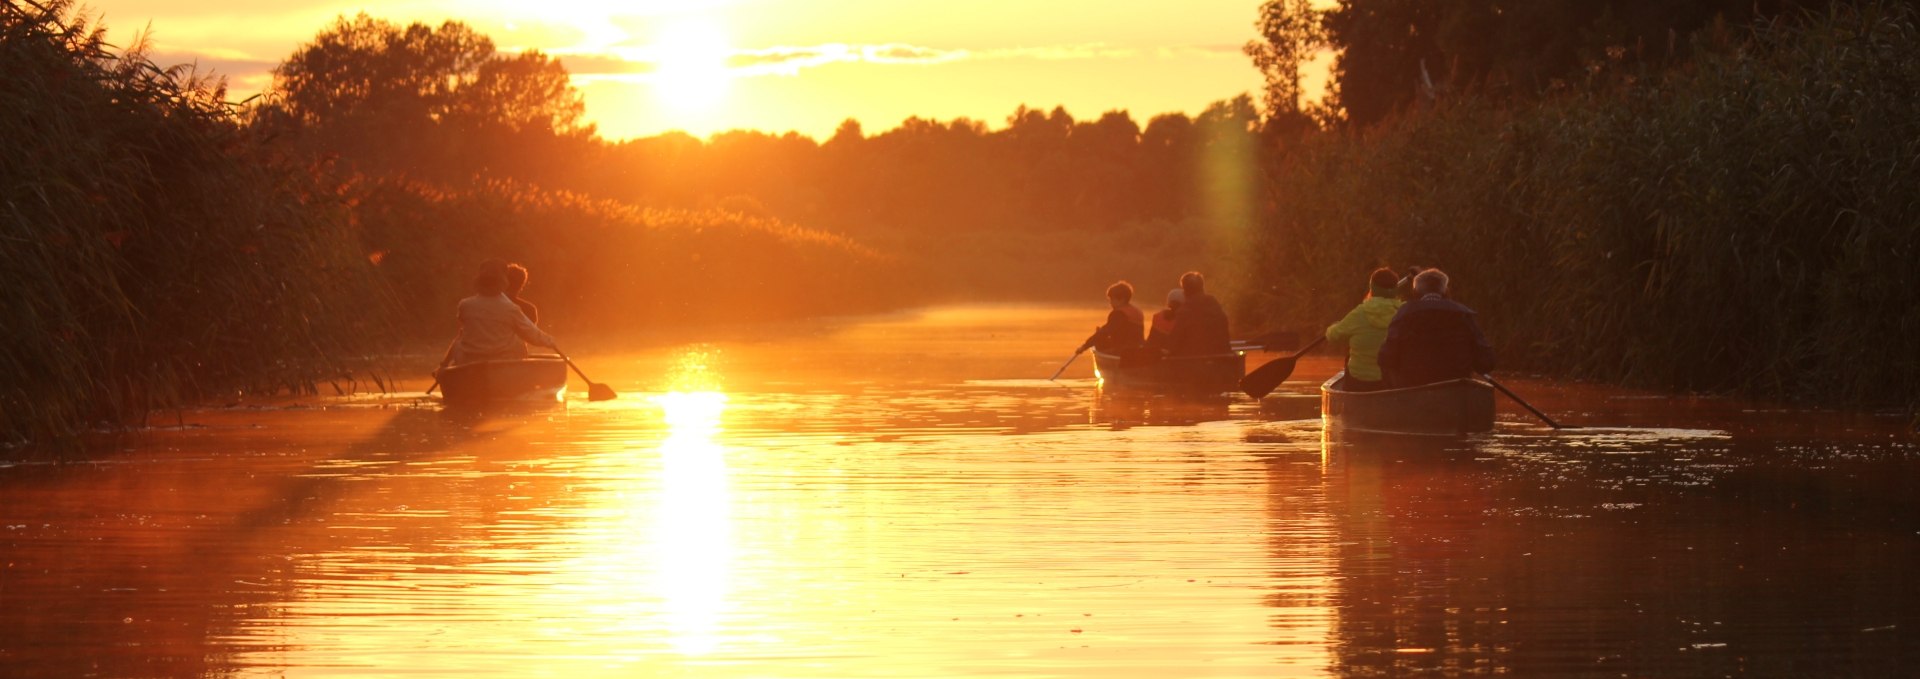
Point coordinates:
[(907, 496)]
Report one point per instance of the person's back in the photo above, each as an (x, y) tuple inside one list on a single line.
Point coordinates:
[(1202, 330), (1364, 329), (1433, 339), (492, 327), (1125, 327)]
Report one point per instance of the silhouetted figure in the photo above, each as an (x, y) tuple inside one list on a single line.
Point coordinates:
[(1433, 339), (1403, 290), (517, 281), (1364, 329), (1125, 326), (492, 327), (1160, 332), (1202, 328)]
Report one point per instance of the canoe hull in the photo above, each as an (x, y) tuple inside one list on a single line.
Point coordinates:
[(1219, 373), (529, 380), (1451, 408)]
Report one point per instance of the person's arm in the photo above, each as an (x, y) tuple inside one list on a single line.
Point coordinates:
[(1389, 350), (530, 333), (460, 328), (1114, 318), (1482, 349), (1340, 332)]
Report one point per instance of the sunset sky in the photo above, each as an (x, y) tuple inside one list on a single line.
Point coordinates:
[(710, 65)]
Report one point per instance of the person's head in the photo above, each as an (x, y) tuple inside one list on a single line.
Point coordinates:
[(1404, 288), (492, 278), (1175, 298), (1383, 283), (1193, 284), (516, 279), (1430, 282), (1120, 294)]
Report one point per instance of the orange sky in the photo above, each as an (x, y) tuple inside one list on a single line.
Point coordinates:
[(710, 65)]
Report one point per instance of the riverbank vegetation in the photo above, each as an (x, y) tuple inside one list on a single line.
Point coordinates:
[(156, 249), (1735, 213)]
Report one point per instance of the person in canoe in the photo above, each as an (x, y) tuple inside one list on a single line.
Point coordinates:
[(1432, 338), (492, 327), (1121, 335), (517, 281), (1160, 331), (1364, 329), (1404, 289), (1202, 327)]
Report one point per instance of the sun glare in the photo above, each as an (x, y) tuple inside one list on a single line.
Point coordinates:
[(690, 65), (693, 527)]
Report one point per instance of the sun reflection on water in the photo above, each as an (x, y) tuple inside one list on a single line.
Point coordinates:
[(693, 536)]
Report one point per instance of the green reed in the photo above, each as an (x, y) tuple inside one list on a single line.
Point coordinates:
[(156, 251), (1748, 222)]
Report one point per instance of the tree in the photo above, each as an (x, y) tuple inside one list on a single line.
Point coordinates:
[(525, 92), (1393, 54), (429, 99), (1291, 33)]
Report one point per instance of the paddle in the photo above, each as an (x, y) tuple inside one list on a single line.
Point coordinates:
[(1524, 404), (595, 390), (1264, 379), (1063, 366), (444, 359)]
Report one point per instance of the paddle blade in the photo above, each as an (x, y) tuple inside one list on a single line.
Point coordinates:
[(1264, 379), (600, 392)]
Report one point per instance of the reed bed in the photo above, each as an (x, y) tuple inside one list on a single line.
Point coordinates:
[(156, 251), (605, 267), (1744, 223)]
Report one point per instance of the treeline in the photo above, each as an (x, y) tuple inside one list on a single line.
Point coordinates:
[(1744, 221), (1004, 210)]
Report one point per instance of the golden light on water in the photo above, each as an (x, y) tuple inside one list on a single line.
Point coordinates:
[(693, 525)]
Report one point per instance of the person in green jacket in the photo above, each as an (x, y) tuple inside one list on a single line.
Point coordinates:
[(1365, 329)]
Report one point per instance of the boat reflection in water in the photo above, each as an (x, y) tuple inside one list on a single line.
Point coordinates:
[(1121, 409), (1406, 514)]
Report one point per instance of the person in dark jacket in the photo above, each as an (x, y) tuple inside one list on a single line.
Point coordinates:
[(1126, 326), (517, 281), (1432, 338), (1202, 329)]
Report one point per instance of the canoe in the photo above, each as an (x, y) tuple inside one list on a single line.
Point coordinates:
[(1451, 408), (1214, 374), (535, 379)]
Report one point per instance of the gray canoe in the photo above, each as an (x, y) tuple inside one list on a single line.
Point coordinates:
[(1451, 408)]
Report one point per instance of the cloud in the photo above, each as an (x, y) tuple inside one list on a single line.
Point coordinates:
[(791, 59), (603, 64), (243, 73)]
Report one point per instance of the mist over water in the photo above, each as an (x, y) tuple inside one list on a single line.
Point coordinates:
[(907, 495)]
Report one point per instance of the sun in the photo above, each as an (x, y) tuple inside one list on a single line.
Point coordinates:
[(690, 57)]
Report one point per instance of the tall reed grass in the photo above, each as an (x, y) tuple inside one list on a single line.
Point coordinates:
[(155, 251), (606, 267), (1749, 222)]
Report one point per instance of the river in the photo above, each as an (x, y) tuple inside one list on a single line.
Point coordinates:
[(908, 496)]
